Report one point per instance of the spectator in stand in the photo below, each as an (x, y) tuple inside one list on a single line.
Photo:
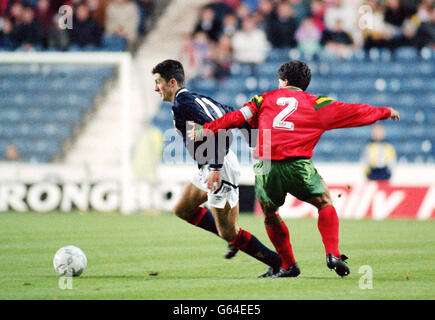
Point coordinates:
[(281, 26), (395, 14), (318, 8), (200, 49), (233, 4), (407, 35), (58, 38), (379, 156), (208, 23), (122, 20), (220, 9), (222, 57), (201, 44), (265, 8), (243, 12), (426, 32), (348, 14), (340, 10), (4, 7), (308, 36), (379, 33), (11, 153), (93, 6), (86, 33), (250, 44), (230, 25), (189, 57), (16, 13), (27, 35), (337, 41), (301, 9), (423, 10), (98, 12), (6, 27), (264, 11), (44, 16), (74, 3)]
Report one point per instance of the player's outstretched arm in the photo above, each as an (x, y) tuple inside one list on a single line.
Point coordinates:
[(228, 121), (346, 115)]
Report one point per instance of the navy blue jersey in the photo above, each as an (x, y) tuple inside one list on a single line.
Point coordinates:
[(189, 106)]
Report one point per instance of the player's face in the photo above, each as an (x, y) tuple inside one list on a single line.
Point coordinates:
[(163, 88)]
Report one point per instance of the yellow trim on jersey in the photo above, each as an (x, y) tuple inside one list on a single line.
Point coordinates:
[(258, 100), (323, 101)]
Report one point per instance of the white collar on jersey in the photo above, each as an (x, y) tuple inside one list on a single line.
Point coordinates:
[(180, 91)]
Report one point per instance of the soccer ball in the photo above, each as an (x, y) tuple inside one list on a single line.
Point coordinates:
[(69, 261)]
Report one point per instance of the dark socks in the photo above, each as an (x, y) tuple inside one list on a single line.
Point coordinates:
[(203, 218), (249, 244)]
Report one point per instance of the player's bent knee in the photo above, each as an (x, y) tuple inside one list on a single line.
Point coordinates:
[(269, 211), (228, 235), (180, 212), (326, 199), (321, 201)]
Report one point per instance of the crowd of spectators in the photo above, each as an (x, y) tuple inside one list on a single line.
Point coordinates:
[(245, 30), (76, 25)]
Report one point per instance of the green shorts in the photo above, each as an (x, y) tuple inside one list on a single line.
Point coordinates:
[(274, 179)]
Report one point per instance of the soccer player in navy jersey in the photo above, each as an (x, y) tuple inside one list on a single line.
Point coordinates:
[(214, 159)]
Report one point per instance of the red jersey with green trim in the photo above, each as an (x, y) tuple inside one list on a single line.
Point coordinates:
[(291, 121)]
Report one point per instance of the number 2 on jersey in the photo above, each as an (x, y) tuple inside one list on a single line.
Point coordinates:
[(280, 121)]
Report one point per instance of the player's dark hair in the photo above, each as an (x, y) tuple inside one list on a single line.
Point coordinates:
[(170, 69), (296, 72)]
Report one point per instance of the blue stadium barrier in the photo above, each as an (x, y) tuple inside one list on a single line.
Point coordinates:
[(40, 105), (406, 54), (278, 55), (114, 44)]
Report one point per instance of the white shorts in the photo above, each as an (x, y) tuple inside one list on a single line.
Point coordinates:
[(229, 190)]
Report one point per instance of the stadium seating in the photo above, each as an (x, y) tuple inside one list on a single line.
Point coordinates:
[(404, 80), (41, 105)]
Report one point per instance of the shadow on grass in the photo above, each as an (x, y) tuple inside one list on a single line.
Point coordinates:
[(106, 277), (166, 276), (322, 278)]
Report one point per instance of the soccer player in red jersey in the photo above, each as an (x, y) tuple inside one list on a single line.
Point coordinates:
[(290, 122)]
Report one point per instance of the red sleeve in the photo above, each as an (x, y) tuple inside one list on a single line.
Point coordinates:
[(229, 120), (345, 115)]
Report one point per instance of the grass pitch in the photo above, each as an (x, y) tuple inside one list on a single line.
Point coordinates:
[(162, 257)]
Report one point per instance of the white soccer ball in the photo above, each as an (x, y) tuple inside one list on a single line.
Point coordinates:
[(70, 261)]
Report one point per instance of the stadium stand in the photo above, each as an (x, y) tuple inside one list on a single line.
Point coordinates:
[(102, 25), (43, 107), (38, 115), (368, 72), (372, 74)]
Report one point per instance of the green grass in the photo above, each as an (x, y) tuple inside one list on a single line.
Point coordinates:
[(122, 251)]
